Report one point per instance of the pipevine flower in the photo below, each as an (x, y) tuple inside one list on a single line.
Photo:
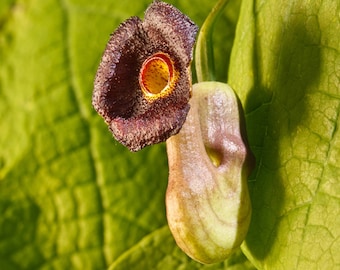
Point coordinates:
[(142, 90), (143, 83)]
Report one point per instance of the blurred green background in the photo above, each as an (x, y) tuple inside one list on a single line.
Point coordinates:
[(73, 198)]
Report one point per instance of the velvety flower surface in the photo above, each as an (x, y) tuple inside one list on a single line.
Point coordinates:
[(143, 83)]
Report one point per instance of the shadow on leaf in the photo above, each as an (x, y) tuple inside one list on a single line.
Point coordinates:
[(275, 109)]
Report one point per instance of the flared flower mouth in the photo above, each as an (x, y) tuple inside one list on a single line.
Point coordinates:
[(143, 83), (157, 77)]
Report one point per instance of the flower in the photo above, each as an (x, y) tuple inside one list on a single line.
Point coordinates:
[(143, 83)]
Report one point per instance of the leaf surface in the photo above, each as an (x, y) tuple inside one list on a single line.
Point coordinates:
[(69, 195), (285, 68)]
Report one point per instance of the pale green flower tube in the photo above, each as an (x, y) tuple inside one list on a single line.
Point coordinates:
[(207, 200)]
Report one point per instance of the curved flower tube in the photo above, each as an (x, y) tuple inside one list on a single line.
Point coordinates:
[(207, 200), (144, 69)]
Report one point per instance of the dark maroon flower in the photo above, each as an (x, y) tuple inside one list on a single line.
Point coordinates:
[(143, 83)]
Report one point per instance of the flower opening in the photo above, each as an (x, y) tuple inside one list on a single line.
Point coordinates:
[(157, 76)]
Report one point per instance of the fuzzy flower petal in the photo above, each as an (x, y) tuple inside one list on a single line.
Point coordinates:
[(143, 83)]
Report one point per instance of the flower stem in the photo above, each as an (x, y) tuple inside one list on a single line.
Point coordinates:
[(204, 55)]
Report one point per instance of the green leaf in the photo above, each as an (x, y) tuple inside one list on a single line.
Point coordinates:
[(70, 197), (285, 68), (161, 247)]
